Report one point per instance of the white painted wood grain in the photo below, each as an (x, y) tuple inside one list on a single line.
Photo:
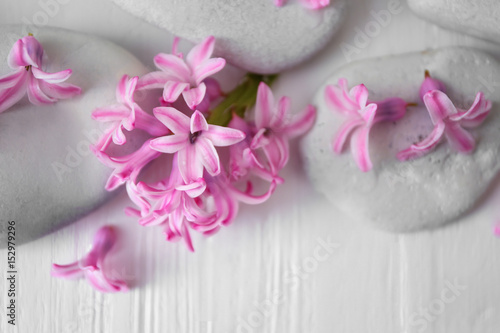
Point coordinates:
[(373, 281)]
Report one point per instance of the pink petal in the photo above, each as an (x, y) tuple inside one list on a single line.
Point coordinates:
[(251, 199), (60, 90), (301, 123), (115, 112), (172, 90), (315, 4), (208, 68), (201, 52), (439, 105), (12, 95), (149, 123), (343, 133), (125, 90), (10, 80), (190, 167), (359, 148), (264, 106), (459, 138), (260, 139), (208, 155), (198, 122), (368, 113), (223, 136), (360, 94), (174, 66), (35, 93), (194, 189), (279, 118), (25, 52), (194, 96), (425, 146), (476, 113), (279, 3), (51, 77), (69, 271), (153, 80), (337, 98), (173, 119), (169, 144)]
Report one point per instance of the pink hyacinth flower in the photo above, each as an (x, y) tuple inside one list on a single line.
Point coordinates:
[(91, 265), (450, 122), (361, 116), (26, 58), (126, 168), (275, 127), (178, 76), (127, 114), (193, 141)]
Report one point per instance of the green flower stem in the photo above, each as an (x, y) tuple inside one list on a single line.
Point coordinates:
[(240, 99)]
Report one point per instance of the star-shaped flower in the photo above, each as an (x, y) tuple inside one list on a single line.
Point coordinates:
[(26, 58), (193, 141), (179, 76), (127, 114), (450, 122), (91, 265), (275, 127), (361, 116)]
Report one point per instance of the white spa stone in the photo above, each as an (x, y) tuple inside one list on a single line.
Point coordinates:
[(480, 18), (254, 35), (426, 192), (48, 176)]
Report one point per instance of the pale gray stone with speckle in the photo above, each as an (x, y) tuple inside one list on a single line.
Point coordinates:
[(480, 18), (254, 35), (426, 192), (48, 176)]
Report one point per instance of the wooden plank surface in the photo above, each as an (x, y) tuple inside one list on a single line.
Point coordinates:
[(272, 270)]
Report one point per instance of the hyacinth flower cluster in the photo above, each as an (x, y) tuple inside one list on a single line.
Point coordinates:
[(309, 4), (220, 149), (27, 58), (361, 115)]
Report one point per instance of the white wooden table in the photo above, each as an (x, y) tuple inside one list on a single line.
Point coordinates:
[(272, 270)]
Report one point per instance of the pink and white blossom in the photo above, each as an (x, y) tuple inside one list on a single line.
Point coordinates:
[(450, 122), (275, 127), (92, 264), (27, 59), (184, 76), (361, 116), (193, 141), (126, 114)]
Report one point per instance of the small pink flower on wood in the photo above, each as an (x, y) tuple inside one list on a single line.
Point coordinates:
[(92, 264), (361, 117), (26, 58), (184, 76)]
